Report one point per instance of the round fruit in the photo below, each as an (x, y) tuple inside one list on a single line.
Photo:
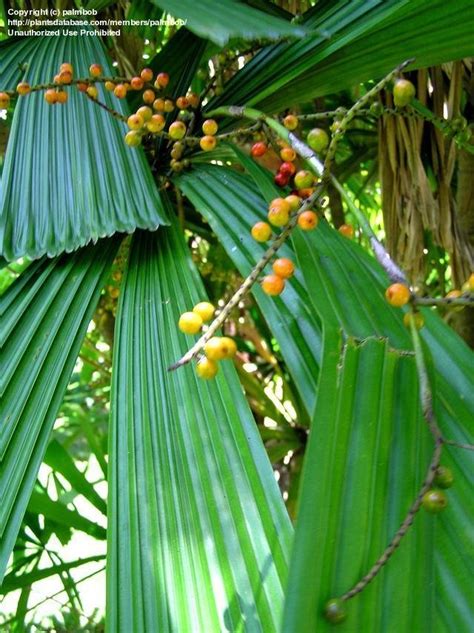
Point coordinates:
[(258, 149), (444, 477), (177, 149), (287, 168), (51, 96), (65, 77), (190, 323), (335, 611), (92, 92), (220, 348), (290, 122), (182, 103), (261, 232), (177, 130), (110, 86), (169, 105), (120, 91), (403, 93), (4, 100), (308, 220), (303, 179), (376, 108), (148, 96), (82, 87), (288, 154), (207, 143), (162, 80), (62, 96), (145, 112), (23, 88), (159, 105), (95, 70), (176, 165), (283, 267), (273, 285), (66, 68), (306, 192), (205, 310), (347, 230), (318, 139), (281, 180), (206, 368), (210, 127), (147, 74), (136, 83), (294, 201), (193, 99), (133, 139), (416, 317), (135, 122), (434, 501), (279, 212), (397, 295), (156, 124)]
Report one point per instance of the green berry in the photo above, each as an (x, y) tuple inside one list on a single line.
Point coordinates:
[(444, 477), (335, 611), (403, 93), (434, 501), (318, 139)]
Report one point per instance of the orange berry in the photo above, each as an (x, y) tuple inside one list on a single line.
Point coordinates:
[(306, 192), (273, 284), (397, 295), (206, 368), (67, 68), (56, 79), (159, 105), (23, 88), (95, 70), (51, 96), (347, 230), (207, 143), (4, 100), (210, 127), (92, 92), (148, 96), (308, 220), (182, 103), (294, 201), (177, 130), (65, 77), (136, 83), (146, 74), (62, 96), (205, 310), (162, 80), (287, 154), (258, 149), (145, 112), (120, 91), (169, 105), (135, 122), (283, 267), (290, 122), (193, 99), (261, 231), (156, 124), (82, 87)]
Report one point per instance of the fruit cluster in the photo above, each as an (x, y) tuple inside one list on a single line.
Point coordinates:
[(216, 349)]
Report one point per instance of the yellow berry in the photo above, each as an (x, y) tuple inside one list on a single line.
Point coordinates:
[(177, 130), (23, 88), (206, 368), (207, 143), (145, 112), (156, 123), (133, 139), (135, 122), (190, 323), (205, 310), (110, 86), (209, 127), (261, 231), (294, 201), (279, 212), (397, 295), (288, 154), (220, 348), (290, 122), (403, 93), (92, 92)]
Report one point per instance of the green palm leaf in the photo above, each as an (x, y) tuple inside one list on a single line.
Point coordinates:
[(197, 524), (356, 41), (44, 317), (229, 19), (68, 177)]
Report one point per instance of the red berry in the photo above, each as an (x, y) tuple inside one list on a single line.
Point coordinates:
[(281, 180), (177, 130), (287, 168), (258, 149), (136, 83)]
